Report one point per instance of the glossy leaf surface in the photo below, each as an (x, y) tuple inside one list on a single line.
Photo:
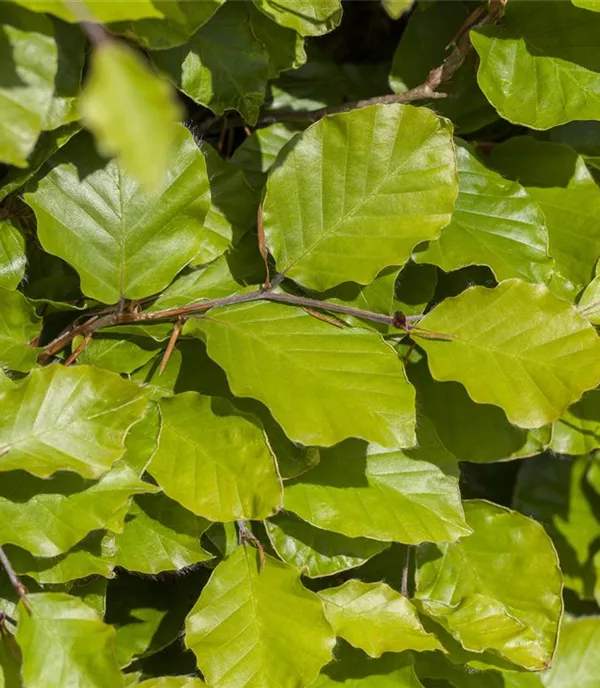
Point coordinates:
[(504, 330), (259, 345), (223, 468), (495, 222), (463, 586), (247, 617), (127, 243), (364, 490), (388, 168), (376, 618), (67, 419), (555, 82)]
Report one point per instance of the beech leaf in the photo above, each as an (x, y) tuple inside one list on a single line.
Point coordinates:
[(357, 192), (516, 346), (67, 419), (127, 244), (246, 619), (273, 353)]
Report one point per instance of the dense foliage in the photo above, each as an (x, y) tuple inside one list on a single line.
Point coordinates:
[(300, 371)]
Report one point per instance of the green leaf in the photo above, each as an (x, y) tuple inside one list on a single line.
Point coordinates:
[(376, 619), (119, 354), (10, 663), (19, 325), (223, 66), (223, 468), (93, 556), (135, 637), (307, 17), (479, 433), (181, 20), (48, 517), (495, 222), (556, 81), (353, 669), (501, 342), (592, 5), (387, 168), (233, 209), (575, 663), (160, 535), (396, 8), (131, 111), (247, 619), (425, 43), (30, 61), (556, 493), (259, 345), (12, 255), (258, 153), (99, 10), (284, 46), (64, 643), (317, 552), (498, 589), (48, 143), (67, 419), (71, 44), (557, 178), (577, 431), (172, 682), (363, 490), (127, 244)]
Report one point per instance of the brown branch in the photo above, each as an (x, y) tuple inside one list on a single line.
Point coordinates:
[(117, 317), (171, 345), (73, 357), (14, 579), (487, 13)]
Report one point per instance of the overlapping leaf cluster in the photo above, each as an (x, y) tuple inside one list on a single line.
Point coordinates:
[(305, 486)]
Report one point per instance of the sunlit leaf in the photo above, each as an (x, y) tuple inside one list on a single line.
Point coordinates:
[(376, 618), (213, 461), (357, 192), (307, 17), (259, 345), (12, 255), (172, 682), (131, 111), (557, 178), (19, 326), (67, 419), (574, 664), (127, 244), (317, 552), (181, 20), (223, 66), (502, 349), (396, 8), (249, 616), (119, 354), (30, 61), (556, 81), (577, 431), (99, 10), (495, 222), (160, 535), (65, 643), (463, 585), (363, 490)]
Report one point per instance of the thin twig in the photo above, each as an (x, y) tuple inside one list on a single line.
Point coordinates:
[(82, 345), (246, 535), (131, 318), (14, 579), (405, 570), (171, 345)]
